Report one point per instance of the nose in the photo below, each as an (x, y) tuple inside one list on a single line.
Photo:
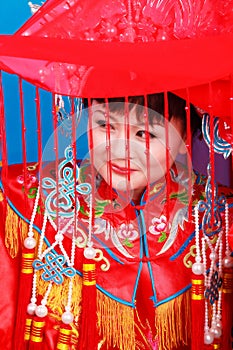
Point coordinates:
[(119, 148)]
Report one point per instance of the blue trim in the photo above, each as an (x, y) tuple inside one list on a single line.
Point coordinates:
[(141, 236), (137, 280), (183, 247), (115, 298), (143, 232), (173, 296)]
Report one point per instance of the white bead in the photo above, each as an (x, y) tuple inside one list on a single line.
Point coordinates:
[(208, 338), (216, 331), (218, 323), (198, 259), (59, 237), (228, 261), (198, 268), (29, 243), (213, 256), (89, 253), (31, 308), (67, 317), (41, 311)]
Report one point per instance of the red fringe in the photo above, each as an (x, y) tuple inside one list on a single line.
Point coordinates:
[(88, 326), (24, 294), (227, 308), (230, 237), (198, 312)]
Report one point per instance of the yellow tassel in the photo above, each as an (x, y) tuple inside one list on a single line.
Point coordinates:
[(116, 323), (57, 299), (23, 230), (173, 322), (16, 230), (11, 232), (1, 196)]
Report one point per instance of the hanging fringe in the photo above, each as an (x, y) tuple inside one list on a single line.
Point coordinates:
[(57, 298), (227, 308), (197, 312), (173, 322), (88, 327), (16, 230), (115, 323), (11, 232)]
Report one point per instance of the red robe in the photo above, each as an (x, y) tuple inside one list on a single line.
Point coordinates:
[(145, 292)]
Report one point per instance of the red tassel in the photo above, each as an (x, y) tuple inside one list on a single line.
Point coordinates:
[(64, 337), (230, 237), (24, 293), (88, 330), (37, 334), (198, 312), (227, 308)]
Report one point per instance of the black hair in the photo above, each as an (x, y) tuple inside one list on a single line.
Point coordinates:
[(155, 103)]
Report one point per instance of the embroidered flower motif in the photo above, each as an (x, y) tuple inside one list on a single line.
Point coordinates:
[(128, 234), (159, 226), (28, 181)]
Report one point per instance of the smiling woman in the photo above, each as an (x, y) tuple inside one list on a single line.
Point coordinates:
[(127, 167)]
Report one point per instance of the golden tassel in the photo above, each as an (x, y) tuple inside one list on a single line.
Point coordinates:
[(115, 322), (23, 230), (173, 322), (11, 232), (57, 299)]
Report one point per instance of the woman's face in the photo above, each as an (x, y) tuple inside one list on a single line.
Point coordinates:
[(131, 167)]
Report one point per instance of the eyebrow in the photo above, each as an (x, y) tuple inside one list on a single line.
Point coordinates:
[(140, 124), (104, 115)]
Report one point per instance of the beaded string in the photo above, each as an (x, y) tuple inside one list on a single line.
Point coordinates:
[(208, 336), (24, 148), (89, 251), (189, 148), (214, 331), (211, 149), (147, 154), (30, 241), (166, 123), (197, 268), (127, 153)]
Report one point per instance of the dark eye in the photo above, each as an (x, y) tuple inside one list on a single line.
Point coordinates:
[(101, 123), (104, 125), (144, 134)]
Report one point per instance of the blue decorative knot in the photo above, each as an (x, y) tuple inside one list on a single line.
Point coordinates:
[(54, 268)]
